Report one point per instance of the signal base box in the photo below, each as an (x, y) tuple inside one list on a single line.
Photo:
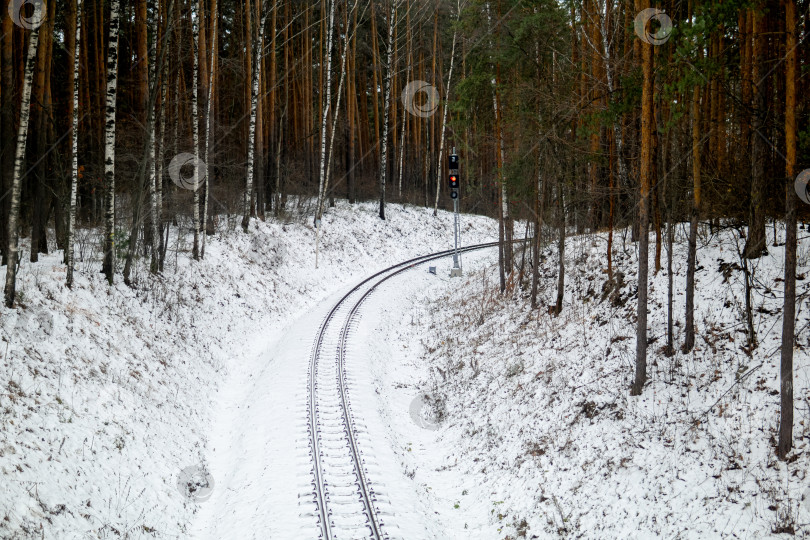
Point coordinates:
[(455, 272)]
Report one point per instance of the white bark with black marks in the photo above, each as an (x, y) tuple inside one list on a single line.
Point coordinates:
[(19, 159), (108, 266), (254, 103), (74, 169), (327, 104), (195, 123), (208, 120), (388, 74), (444, 125)]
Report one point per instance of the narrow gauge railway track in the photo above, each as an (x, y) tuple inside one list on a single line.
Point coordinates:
[(346, 502)]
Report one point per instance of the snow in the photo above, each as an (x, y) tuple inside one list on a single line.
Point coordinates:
[(478, 417), (542, 438), (109, 393)]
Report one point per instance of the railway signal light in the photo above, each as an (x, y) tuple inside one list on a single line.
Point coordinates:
[(454, 180), (453, 194), (453, 163)]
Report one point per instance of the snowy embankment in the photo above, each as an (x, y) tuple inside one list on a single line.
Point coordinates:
[(107, 393), (540, 437)]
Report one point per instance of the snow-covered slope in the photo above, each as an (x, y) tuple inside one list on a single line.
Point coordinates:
[(541, 438), (107, 394)]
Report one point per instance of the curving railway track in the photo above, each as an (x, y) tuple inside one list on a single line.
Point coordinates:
[(347, 504)]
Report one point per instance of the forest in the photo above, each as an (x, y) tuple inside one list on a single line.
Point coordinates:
[(132, 117)]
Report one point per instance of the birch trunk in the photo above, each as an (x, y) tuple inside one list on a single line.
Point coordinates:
[(444, 125), (19, 158), (161, 140), (337, 108), (150, 163), (74, 159), (327, 103), (157, 85), (209, 102), (387, 107), (254, 101), (195, 126), (108, 266)]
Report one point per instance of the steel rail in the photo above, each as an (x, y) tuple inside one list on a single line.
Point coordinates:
[(366, 492)]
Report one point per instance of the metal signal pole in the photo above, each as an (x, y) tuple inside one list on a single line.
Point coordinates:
[(454, 184)]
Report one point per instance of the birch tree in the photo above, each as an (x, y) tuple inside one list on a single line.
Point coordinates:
[(344, 59), (325, 113), (75, 45), (209, 106), (195, 123), (108, 266), (254, 100), (440, 168), (155, 156), (388, 74), (19, 159)]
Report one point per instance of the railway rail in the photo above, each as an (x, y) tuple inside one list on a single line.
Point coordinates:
[(347, 505)]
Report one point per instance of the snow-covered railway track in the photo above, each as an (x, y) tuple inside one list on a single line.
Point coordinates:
[(347, 505)]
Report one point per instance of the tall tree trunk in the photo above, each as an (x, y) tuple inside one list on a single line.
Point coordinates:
[(755, 243), (74, 48), (19, 158), (145, 117), (161, 144), (254, 102), (155, 170), (208, 114), (444, 125), (41, 100), (108, 266), (327, 103), (7, 132), (195, 122), (351, 106), (388, 74), (789, 310), (646, 173), (691, 259), (560, 247)]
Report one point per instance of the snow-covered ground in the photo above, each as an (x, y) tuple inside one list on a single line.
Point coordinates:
[(540, 436), (108, 394), (484, 419)]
